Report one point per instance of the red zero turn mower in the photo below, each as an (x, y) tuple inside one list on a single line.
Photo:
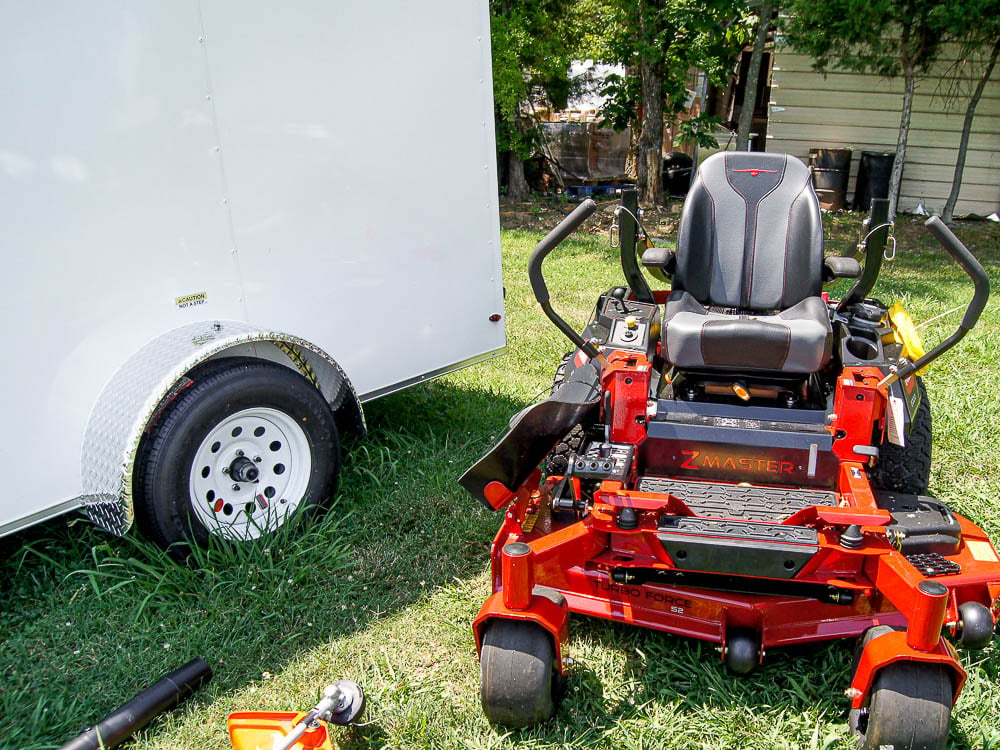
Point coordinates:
[(740, 460)]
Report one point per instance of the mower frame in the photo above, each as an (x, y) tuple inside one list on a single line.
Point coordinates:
[(618, 535)]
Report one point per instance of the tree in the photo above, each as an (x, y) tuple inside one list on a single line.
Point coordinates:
[(980, 46), (750, 90), (534, 42), (887, 37), (659, 42)]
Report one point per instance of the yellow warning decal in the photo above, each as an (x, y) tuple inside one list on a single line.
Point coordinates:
[(982, 551), (906, 334), (190, 300)]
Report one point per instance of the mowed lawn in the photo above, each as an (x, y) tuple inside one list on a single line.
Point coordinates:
[(384, 588)]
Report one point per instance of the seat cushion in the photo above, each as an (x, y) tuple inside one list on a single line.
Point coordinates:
[(796, 340)]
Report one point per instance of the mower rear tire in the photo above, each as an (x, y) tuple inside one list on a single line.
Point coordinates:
[(557, 462), (518, 684), (909, 705), (907, 468), (560, 377)]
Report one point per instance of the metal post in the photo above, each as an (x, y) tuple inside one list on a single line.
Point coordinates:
[(628, 233), (517, 575), (878, 234)]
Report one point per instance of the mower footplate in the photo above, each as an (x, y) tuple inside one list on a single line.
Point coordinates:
[(713, 545), (769, 504)]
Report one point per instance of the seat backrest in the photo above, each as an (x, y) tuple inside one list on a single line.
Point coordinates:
[(751, 233)]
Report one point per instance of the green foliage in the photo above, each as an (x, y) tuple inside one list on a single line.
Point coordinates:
[(534, 43), (624, 95), (680, 34), (699, 130), (880, 36)]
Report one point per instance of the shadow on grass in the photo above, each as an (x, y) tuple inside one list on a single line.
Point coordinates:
[(88, 620)]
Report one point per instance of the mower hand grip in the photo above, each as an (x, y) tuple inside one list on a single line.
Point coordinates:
[(972, 267), (562, 230), (969, 264)]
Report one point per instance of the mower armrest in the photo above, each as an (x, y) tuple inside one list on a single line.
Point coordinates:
[(839, 267), (661, 262)]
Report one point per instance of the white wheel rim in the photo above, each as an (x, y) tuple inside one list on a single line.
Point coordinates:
[(244, 510)]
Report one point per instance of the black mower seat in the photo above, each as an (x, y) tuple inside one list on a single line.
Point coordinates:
[(749, 269)]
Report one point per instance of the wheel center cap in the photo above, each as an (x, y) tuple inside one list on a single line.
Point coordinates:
[(242, 469)]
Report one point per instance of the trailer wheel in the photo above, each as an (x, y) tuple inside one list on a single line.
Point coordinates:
[(248, 444), (909, 705), (907, 469), (518, 687)]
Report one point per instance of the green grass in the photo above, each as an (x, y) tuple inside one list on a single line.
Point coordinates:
[(383, 589)]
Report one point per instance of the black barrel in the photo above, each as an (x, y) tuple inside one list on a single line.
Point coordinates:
[(831, 168), (874, 172), (677, 168), (126, 720)]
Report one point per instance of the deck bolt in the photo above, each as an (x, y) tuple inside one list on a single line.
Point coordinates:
[(852, 693)]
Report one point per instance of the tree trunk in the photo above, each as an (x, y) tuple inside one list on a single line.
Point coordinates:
[(963, 144), (904, 132), (635, 128), (649, 151), (753, 75), (517, 186)]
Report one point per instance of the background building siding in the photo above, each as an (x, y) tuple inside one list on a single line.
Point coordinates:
[(861, 111)]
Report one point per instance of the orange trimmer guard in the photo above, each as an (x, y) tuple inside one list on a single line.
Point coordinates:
[(258, 730)]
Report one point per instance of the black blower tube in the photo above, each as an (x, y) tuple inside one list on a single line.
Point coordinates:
[(126, 720)]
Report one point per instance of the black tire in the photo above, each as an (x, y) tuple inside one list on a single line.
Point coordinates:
[(557, 461), (296, 442), (518, 686), (560, 377), (975, 626), (909, 705), (742, 651), (907, 469)]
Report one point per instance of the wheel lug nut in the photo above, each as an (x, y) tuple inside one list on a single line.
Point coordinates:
[(257, 459), (239, 452), (225, 469), (236, 488)]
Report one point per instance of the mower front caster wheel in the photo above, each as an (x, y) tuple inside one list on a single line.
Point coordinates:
[(742, 651), (518, 684), (909, 705), (975, 626)]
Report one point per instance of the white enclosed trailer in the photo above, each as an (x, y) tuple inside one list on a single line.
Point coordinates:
[(225, 225)]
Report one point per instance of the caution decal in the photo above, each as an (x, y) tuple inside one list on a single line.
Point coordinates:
[(190, 300)]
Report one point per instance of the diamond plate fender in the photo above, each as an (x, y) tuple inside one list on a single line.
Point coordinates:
[(134, 394)]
